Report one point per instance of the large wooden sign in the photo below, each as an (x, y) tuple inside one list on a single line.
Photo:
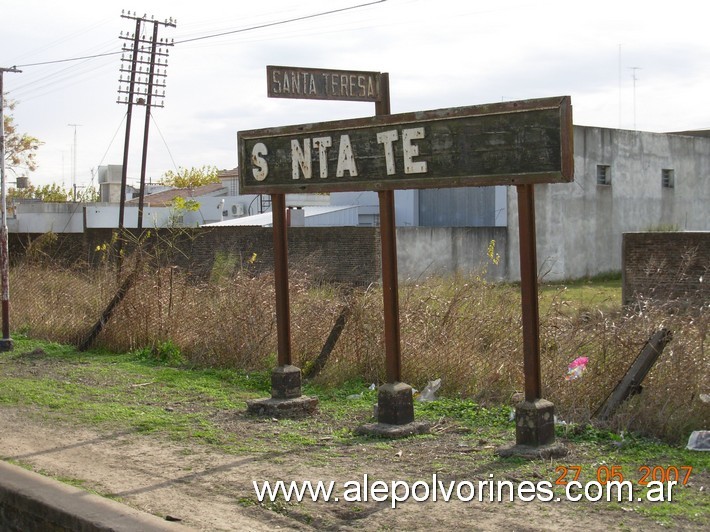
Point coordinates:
[(507, 143), (322, 84)]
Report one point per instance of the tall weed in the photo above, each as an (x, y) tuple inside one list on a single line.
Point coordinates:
[(461, 329)]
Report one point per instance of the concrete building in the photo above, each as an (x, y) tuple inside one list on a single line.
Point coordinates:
[(624, 181)]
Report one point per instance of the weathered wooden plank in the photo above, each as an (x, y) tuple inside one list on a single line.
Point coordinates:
[(505, 143), (631, 383)]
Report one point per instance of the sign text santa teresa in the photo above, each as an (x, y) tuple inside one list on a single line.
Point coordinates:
[(507, 143), (322, 84)]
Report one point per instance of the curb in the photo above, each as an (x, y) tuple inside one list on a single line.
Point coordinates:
[(30, 501)]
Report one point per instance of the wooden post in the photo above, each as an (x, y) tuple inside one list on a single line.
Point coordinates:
[(388, 239), (283, 313), (528, 287), (286, 398), (631, 383)]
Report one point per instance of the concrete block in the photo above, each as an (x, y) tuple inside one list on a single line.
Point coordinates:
[(286, 382), (385, 430), (395, 404), (535, 423), (283, 408)]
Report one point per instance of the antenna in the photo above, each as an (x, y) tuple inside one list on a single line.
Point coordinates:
[(633, 76), (73, 170), (619, 85)]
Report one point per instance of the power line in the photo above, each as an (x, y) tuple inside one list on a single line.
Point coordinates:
[(214, 35), (69, 59), (112, 139), (52, 44), (279, 23), (152, 117)]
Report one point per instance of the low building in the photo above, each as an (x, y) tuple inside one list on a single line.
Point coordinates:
[(625, 181)]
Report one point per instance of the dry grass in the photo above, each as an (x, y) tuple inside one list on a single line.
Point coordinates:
[(463, 330)]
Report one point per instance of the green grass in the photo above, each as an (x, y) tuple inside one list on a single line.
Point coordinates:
[(597, 293), (132, 392)]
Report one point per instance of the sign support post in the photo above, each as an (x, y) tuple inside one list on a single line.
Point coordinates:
[(286, 397), (535, 416), (509, 143), (395, 404)]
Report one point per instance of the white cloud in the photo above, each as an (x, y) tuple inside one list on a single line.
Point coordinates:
[(442, 53)]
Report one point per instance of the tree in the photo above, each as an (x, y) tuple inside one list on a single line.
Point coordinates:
[(89, 194), (178, 207), (190, 178), (50, 193), (54, 194), (20, 148)]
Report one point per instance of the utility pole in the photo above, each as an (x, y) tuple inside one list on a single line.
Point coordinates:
[(73, 173), (143, 85), (6, 343)]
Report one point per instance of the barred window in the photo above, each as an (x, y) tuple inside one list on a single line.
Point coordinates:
[(603, 174), (667, 178)]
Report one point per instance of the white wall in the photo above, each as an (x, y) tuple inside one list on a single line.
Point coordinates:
[(580, 224), (406, 206), (45, 217), (428, 251), (105, 215)]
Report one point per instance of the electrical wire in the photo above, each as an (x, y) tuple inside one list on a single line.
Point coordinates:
[(214, 35), (64, 38), (281, 22), (152, 117), (113, 138), (55, 61), (78, 203), (76, 73)]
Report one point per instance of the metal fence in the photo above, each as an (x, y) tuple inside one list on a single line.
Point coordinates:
[(464, 330)]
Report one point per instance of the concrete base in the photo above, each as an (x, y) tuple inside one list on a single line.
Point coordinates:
[(385, 430), (554, 450), (6, 344), (535, 423), (278, 408), (395, 414), (286, 382), (395, 404)]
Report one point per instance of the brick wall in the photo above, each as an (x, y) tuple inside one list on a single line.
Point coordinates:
[(667, 265), (338, 254)]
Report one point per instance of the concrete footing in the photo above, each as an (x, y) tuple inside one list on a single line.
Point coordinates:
[(286, 399), (278, 408), (385, 430), (534, 432), (395, 404), (285, 382), (535, 423), (554, 450), (6, 344), (395, 413)]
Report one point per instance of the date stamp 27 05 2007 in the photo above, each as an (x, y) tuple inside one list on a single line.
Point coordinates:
[(611, 473)]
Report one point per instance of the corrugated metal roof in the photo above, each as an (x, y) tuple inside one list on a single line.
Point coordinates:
[(162, 199), (265, 219)]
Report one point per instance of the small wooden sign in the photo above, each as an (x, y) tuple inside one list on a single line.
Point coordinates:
[(507, 143), (322, 84)]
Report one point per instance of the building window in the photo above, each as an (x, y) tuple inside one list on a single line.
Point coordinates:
[(667, 178), (603, 174)]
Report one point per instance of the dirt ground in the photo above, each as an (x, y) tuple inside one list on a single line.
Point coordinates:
[(210, 490)]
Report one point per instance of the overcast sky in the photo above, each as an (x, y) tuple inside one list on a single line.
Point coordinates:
[(439, 54)]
